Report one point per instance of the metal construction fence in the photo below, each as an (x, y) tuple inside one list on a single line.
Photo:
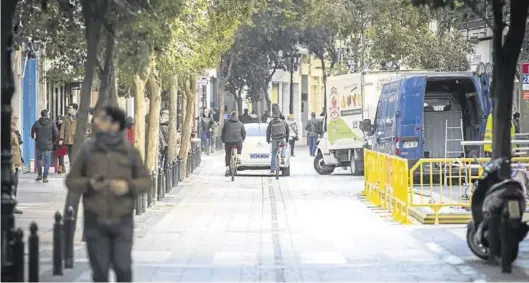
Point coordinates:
[(440, 188)]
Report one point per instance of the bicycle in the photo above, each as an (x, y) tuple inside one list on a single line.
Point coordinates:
[(233, 162)]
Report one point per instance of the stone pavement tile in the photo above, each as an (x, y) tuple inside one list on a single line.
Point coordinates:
[(226, 274), (166, 274), (196, 275)]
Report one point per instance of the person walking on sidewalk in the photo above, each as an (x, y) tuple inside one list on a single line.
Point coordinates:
[(293, 133), (44, 132), (60, 150), (16, 155), (67, 134), (109, 173), (313, 131)]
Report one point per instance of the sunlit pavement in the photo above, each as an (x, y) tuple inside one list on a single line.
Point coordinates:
[(301, 228)]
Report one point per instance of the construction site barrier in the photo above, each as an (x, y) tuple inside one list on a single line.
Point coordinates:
[(433, 190), (386, 183)]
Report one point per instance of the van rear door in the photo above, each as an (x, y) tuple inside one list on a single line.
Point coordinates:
[(410, 117)]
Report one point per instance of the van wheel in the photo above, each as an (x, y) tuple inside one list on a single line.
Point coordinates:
[(320, 166), (355, 167)]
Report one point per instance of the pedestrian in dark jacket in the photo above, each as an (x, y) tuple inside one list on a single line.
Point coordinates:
[(276, 133), (109, 173), (60, 150), (45, 132), (245, 118), (233, 134), (314, 130)]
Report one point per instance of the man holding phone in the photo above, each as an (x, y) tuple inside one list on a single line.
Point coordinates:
[(109, 173)]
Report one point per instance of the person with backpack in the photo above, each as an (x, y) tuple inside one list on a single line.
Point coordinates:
[(233, 134), (277, 132), (313, 129), (109, 173)]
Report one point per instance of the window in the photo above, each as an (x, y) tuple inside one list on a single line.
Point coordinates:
[(381, 114), (436, 104)]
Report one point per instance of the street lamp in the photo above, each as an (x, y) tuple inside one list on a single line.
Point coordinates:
[(294, 61)]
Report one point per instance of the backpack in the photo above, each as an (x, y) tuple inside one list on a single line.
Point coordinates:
[(277, 129), (313, 128), (130, 151)]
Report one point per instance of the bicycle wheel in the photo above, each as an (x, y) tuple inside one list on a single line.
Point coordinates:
[(233, 165), (278, 160)]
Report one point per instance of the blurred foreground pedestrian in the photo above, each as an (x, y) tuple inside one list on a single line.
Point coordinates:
[(109, 173)]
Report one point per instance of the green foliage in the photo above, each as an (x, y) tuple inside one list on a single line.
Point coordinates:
[(61, 37), (262, 46), (393, 30)]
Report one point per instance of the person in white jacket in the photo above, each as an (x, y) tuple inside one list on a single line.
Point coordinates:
[(293, 132)]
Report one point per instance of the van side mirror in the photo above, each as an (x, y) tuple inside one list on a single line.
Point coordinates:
[(366, 126)]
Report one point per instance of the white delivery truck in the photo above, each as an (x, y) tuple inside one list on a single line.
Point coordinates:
[(343, 141)]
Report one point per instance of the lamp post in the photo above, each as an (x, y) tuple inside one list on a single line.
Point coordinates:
[(294, 61)]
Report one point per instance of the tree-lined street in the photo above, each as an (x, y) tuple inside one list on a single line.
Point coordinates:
[(301, 228)]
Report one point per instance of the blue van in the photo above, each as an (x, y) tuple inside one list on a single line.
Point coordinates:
[(427, 116)]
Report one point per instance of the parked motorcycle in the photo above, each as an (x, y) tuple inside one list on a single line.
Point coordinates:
[(499, 221)]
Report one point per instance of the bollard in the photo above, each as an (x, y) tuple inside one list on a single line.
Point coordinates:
[(137, 206), (68, 238), (181, 168), (178, 163), (168, 179), (10, 237), (18, 256), (188, 165), (33, 253), (175, 173), (160, 182), (57, 245), (151, 189)]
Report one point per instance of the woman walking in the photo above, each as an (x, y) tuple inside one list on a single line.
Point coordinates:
[(293, 133), (16, 141), (60, 150)]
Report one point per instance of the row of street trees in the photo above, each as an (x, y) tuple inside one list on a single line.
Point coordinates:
[(132, 48), (345, 35)]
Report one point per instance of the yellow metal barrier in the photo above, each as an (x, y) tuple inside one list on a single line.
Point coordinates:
[(386, 184), (444, 185), (433, 190)]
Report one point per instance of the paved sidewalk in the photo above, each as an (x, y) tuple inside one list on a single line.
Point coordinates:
[(302, 228), (39, 203)]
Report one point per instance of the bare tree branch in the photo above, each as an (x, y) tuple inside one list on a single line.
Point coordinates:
[(474, 6)]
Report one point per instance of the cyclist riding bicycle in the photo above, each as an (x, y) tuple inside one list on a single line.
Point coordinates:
[(233, 134), (277, 133)]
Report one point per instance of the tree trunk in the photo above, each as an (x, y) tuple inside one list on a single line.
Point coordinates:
[(139, 115), (8, 90), (106, 72), (114, 89), (267, 99), (324, 72), (154, 123), (173, 100), (222, 83), (238, 99), (505, 57), (190, 96), (93, 26)]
